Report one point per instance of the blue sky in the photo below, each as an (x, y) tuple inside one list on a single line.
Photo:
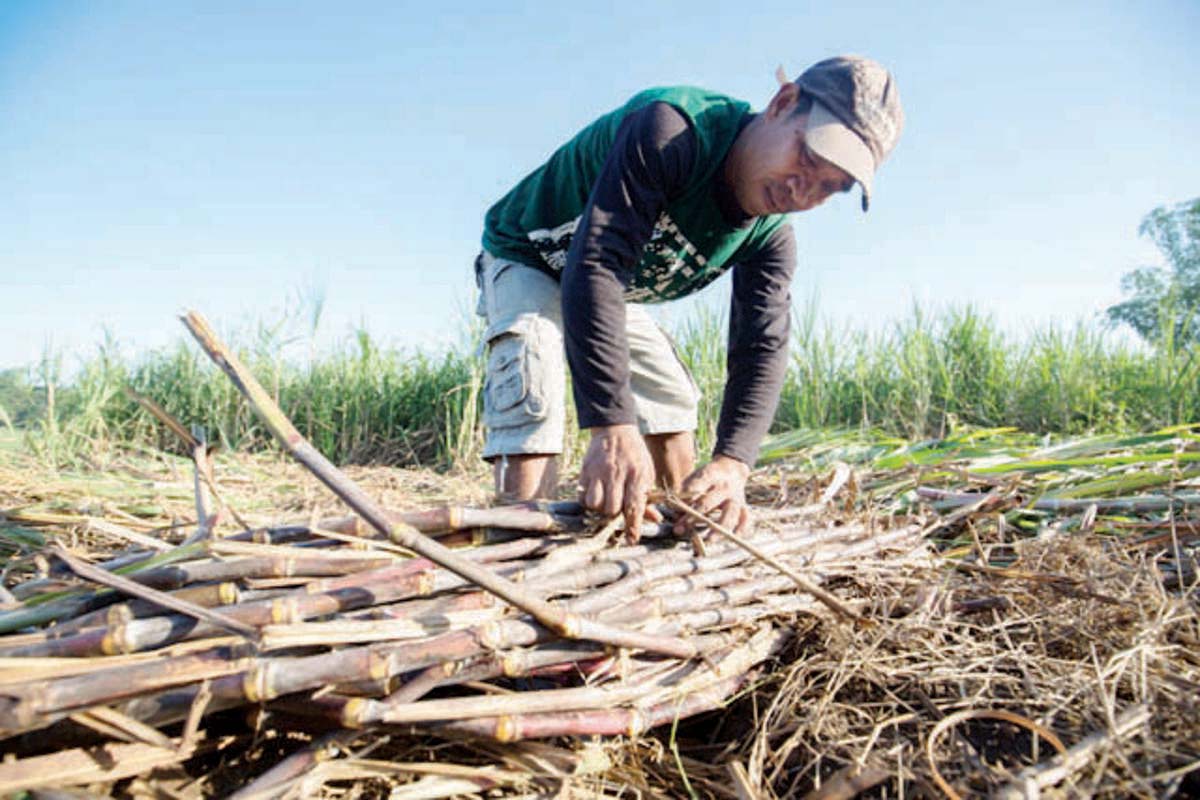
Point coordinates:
[(156, 156)]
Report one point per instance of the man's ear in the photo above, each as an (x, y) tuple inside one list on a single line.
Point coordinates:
[(784, 100)]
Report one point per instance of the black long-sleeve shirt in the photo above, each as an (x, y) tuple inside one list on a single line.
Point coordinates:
[(648, 164)]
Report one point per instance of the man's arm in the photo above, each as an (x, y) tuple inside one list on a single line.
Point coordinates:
[(648, 164), (759, 325)]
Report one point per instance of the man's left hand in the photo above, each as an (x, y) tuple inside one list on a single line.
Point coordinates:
[(717, 490)]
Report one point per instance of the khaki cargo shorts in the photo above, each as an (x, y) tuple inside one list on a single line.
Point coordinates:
[(524, 394)]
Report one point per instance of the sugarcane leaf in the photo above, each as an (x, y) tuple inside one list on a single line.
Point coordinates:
[(22, 537)]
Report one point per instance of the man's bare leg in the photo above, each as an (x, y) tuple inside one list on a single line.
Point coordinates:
[(674, 457), (525, 477)]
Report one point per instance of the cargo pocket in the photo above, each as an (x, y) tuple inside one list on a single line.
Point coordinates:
[(512, 390)]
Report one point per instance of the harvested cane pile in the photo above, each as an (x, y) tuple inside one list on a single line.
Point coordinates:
[(980, 614), (361, 637)]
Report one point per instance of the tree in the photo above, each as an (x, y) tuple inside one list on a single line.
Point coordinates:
[(1165, 301)]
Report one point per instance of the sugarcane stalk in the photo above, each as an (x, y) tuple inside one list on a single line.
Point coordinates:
[(226, 547), (603, 574), (208, 595), (534, 517), (358, 712), (433, 606), (557, 700), (51, 606), (412, 578), (395, 577), (553, 617), (280, 534), (661, 605), (37, 586), (417, 615), (21, 707), (596, 722), (673, 681), (175, 576), (584, 578), (236, 677), (130, 563), (341, 631), (678, 597), (1137, 504), (719, 617), (661, 573), (805, 584), (514, 664), (275, 566), (173, 705), (457, 518), (212, 617), (255, 680), (667, 565)]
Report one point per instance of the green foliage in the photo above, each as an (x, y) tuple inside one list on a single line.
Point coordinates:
[(1164, 307), (928, 376), (19, 400), (360, 404)]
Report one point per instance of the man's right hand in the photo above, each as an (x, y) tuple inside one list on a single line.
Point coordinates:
[(617, 474)]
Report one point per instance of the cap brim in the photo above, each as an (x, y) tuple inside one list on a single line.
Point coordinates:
[(826, 136)]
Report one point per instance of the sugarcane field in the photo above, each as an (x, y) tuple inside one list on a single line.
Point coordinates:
[(684, 400), (986, 613)]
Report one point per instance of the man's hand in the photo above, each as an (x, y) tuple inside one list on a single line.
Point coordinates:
[(616, 475), (718, 490)]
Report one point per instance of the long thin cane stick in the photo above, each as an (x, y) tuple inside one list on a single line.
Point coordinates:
[(122, 584), (553, 617), (804, 583)]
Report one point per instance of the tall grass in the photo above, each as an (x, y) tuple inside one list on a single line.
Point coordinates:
[(360, 404), (928, 373), (924, 376)]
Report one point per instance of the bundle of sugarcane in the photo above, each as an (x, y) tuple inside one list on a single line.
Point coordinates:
[(292, 617)]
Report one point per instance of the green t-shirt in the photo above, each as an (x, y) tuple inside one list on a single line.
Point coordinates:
[(692, 242)]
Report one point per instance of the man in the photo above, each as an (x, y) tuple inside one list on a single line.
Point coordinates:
[(651, 202)]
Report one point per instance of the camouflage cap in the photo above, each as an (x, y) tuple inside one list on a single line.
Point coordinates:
[(856, 116)]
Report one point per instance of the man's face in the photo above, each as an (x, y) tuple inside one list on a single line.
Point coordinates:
[(776, 173)]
